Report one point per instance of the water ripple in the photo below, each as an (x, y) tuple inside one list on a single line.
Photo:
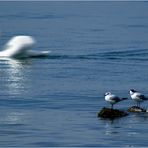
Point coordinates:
[(137, 54)]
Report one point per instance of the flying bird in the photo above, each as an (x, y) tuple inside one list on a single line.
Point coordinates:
[(21, 47)]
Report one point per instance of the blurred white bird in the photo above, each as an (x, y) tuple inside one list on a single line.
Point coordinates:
[(137, 96), (21, 47), (113, 99)]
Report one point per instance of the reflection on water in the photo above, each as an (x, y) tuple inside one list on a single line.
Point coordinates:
[(13, 118), (13, 82), (111, 126), (126, 128), (12, 75)]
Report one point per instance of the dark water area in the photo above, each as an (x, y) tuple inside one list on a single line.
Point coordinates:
[(95, 47)]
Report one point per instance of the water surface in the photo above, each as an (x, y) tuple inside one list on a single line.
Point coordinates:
[(96, 47)]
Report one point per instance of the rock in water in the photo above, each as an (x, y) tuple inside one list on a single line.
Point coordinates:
[(111, 113), (136, 109)]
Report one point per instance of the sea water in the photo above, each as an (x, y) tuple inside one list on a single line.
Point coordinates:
[(95, 47)]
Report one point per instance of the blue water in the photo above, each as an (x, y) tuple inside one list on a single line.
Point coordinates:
[(96, 47)]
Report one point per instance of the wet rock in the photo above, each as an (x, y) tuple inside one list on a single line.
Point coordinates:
[(136, 109), (111, 113)]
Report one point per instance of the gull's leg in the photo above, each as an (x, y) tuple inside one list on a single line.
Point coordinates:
[(137, 103), (112, 106)]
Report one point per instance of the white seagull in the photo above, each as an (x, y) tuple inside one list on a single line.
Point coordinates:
[(112, 99), (137, 96), (21, 47)]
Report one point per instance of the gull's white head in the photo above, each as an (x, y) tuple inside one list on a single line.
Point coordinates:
[(107, 93), (132, 91)]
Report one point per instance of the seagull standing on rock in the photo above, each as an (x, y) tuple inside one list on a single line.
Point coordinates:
[(137, 96), (113, 99)]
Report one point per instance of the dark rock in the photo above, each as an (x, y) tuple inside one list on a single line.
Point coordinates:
[(111, 113), (136, 109)]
